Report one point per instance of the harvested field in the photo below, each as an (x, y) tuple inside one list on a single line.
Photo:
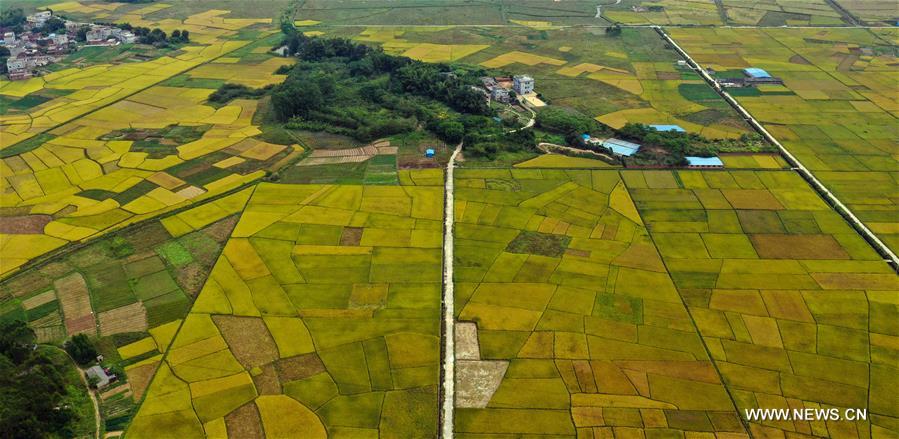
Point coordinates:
[(75, 302), (249, 340), (129, 318), (28, 224)]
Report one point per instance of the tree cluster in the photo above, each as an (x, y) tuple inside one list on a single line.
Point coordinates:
[(32, 388), (228, 92), (348, 88), (157, 36), (12, 18), (81, 349)]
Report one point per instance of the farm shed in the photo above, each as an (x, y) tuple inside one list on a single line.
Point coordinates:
[(621, 147), (704, 162), (676, 128)]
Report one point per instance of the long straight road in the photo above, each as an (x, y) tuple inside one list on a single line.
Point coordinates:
[(449, 346)]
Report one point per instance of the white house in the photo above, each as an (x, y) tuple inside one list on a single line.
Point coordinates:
[(523, 84)]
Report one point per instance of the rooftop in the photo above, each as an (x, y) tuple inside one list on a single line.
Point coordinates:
[(705, 161), (668, 128), (99, 374), (755, 72), (621, 147)]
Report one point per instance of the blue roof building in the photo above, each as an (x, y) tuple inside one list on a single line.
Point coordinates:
[(586, 137), (705, 162), (754, 72), (621, 147), (668, 128), (429, 152)]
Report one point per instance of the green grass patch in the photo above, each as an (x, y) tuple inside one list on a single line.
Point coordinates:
[(26, 145), (537, 243)]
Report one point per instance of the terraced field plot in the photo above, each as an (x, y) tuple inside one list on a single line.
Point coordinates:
[(579, 329), (662, 12), (782, 12), (321, 317), (130, 291), (874, 12), (89, 150), (795, 309), (836, 111)]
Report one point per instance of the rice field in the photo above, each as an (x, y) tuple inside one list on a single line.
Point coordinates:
[(836, 111), (792, 306), (568, 322), (321, 316), (88, 153), (606, 303), (129, 292), (782, 12)]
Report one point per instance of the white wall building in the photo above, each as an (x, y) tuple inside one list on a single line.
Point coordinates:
[(523, 84)]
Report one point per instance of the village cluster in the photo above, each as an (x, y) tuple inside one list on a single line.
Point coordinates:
[(31, 49)]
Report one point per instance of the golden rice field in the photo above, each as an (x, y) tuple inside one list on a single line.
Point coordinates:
[(793, 307), (700, 12), (77, 166), (836, 112), (80, 186), (321, 316), (612, 304)]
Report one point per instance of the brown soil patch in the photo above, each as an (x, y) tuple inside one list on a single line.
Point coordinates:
[(128, 318), (798, 247), (798, 59), (299, 367), (351, 236), (27, 283), (245, 422), (139, 378), (75, 303), (40, 299), (477, 381), (668, 75), (148, 236), (27, 224), (267, 382), (576, 252), (249, 340), (221, 229), (466, 337), (191, 278)]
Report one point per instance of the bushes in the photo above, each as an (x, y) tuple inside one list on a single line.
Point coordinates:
[(228, 92), (81, 349)]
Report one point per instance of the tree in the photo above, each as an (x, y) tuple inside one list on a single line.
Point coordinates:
[(32, 388), (614, 30), (53, 25), (81, 349), (12, 17)]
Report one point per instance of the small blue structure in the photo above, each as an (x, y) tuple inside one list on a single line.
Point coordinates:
[(676, 128), (586, 137), (754, 72), (704, 162), (621, 147), (429, 153)]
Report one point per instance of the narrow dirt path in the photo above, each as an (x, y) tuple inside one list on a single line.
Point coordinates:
[(449, 345), (89, 391)]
